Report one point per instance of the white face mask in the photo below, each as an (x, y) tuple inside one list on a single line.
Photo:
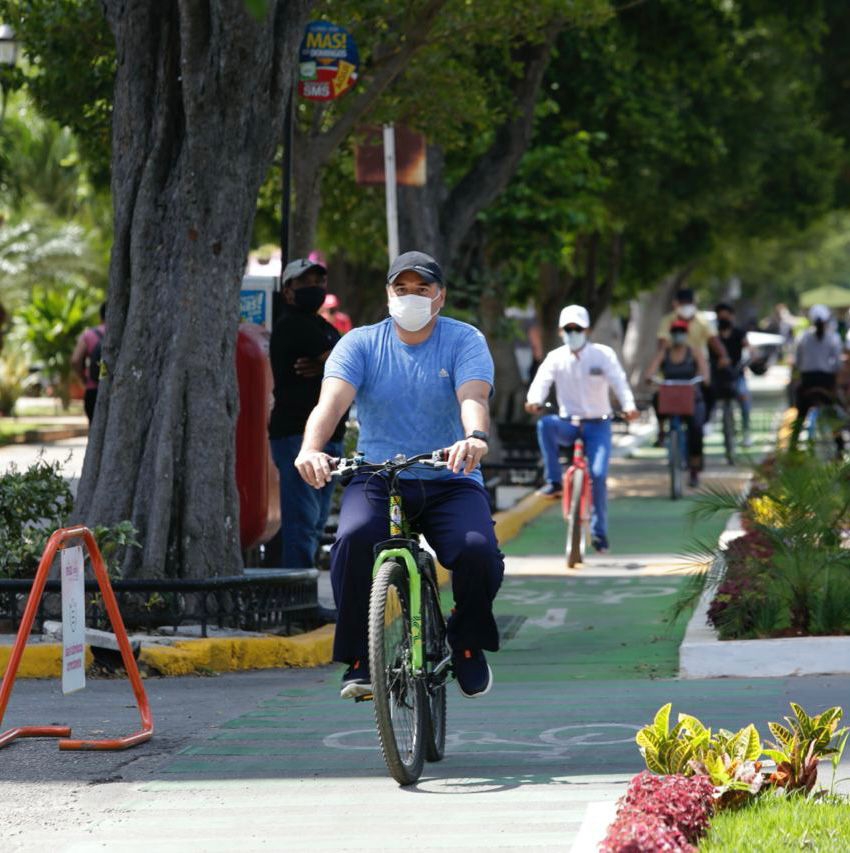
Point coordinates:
[(411, 312), (574, 340), (686, 312)]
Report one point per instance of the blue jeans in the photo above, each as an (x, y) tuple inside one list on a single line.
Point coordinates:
[(553, 431), (303, 509)]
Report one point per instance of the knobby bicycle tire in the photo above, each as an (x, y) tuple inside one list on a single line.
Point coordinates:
[(729, 432), (675, 461), (435, 651), (399, 697), (575, 524)]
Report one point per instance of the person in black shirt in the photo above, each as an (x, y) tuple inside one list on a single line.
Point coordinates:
[(301, 341), (729, 382)]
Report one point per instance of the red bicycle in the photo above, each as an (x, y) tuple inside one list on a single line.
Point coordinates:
[(576, 504)]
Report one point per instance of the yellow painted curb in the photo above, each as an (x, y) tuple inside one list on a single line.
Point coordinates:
[(228, 654), (40, 660), (509, 522)]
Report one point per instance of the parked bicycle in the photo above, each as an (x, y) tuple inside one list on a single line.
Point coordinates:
[(409, 657), (677, 402)]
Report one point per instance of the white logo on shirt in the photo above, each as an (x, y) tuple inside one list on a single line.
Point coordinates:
[(444, 373)]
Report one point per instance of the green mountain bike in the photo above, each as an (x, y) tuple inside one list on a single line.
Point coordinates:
[(409, 657)]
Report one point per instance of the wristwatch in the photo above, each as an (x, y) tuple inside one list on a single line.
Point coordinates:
[(480, 435)]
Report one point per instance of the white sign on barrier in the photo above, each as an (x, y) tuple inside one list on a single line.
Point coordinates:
[(73, 620)]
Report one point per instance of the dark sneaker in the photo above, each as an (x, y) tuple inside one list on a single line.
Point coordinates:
[(599, 545), (356, 681), (550, 490), (693, 479), (473, 673)]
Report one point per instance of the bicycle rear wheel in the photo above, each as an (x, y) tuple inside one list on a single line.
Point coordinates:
[(674, 450), (399, 696), (436, 650), (575, 526), (728, 432)]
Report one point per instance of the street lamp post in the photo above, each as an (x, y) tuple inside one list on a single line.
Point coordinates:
[(8, 58)]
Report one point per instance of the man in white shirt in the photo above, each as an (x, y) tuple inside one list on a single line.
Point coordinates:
[(582, 373)]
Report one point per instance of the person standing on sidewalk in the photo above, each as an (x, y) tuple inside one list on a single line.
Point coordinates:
[(300, 343), (582, 373), (85, 360), (422, 382)]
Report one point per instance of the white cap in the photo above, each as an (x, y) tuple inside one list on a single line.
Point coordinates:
[(574, 315), (819, 312)]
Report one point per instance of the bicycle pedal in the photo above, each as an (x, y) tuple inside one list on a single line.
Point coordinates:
[(366, 697)]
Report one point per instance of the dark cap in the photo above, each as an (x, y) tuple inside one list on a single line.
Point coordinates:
[(684, 296), (297, 268), (420, 263)]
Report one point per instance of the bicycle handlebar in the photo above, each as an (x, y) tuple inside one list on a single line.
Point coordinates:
[(695, 381), (343, 466)]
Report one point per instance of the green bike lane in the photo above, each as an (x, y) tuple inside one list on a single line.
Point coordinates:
[(588, 656)]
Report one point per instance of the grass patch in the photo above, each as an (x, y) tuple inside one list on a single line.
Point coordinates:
[(782, 823), (10, 428)]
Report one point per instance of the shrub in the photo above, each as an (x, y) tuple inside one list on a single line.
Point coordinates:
[(636, 832), (685, 802), (34, 503), (661, 813)]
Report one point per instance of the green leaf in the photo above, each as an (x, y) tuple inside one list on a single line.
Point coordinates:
[(662, 720), (692, 724), (777, 756), (753, 745), (783, 736)]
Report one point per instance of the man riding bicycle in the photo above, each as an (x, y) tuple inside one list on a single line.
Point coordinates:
[(421, 382), (582, 373)]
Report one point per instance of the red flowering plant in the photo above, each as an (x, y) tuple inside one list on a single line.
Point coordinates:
[(661, 813)]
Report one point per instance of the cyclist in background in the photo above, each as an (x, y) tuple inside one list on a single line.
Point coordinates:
[(679, 360), (730, 382), (700, 337), (421, 382), (817, 360), (582, 373)]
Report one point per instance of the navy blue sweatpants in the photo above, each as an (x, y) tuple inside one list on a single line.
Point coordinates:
[(454, 515)]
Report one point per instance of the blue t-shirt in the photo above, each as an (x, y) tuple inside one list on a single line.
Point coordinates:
[(406, 394)]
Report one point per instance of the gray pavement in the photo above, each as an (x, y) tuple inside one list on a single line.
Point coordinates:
[(275, 761)]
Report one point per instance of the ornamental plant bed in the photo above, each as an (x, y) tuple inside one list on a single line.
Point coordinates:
[(788, 575), (696, 776)]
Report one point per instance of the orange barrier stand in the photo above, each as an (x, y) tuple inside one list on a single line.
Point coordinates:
[(54, 544)]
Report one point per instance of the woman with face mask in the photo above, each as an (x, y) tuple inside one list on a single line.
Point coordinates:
[(679, 360)]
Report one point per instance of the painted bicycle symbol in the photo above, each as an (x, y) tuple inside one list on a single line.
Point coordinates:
[(550, 744)]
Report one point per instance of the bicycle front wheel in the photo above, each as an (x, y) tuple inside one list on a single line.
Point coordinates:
[(575, 525), (399, 696), (436, 650), (675, 457)]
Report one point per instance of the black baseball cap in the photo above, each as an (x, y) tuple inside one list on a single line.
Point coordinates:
[(420, 263), (684, 296)]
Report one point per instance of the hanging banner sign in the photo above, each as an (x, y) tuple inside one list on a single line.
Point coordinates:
[(328, 62), (73, 620)]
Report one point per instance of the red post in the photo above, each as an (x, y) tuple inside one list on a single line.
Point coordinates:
[(55, 542)]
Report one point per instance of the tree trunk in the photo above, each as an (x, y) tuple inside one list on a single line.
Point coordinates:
[(198, 109)]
